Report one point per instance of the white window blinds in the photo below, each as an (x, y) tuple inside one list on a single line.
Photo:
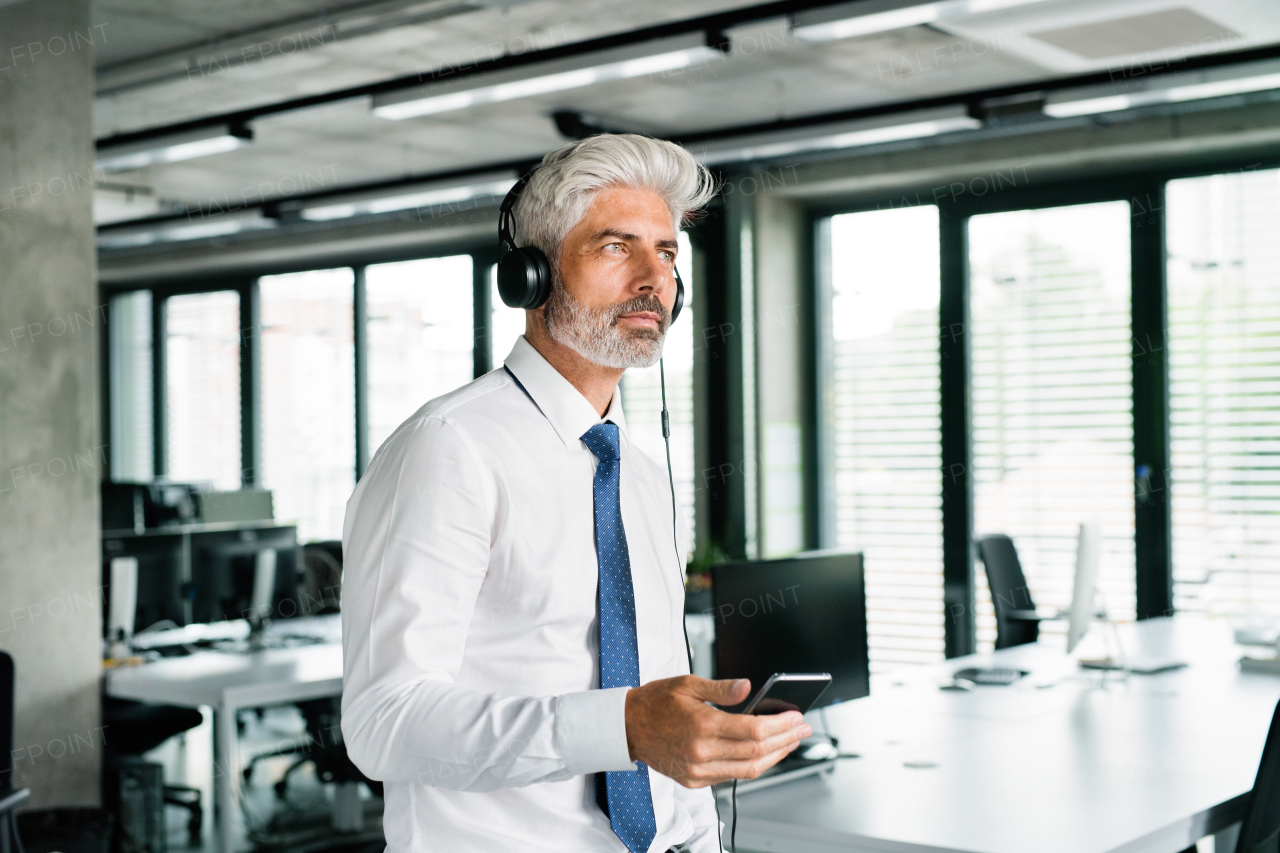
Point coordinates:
[(885, 418), (1224, 373), (1052, 396)]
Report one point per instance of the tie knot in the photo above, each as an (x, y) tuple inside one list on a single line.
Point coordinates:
[(602, 439)]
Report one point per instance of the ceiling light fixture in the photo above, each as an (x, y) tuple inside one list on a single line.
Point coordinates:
[(541, 78), (864, 17), (1188, 86), (493, 184), (179, 230), (135, 154), (890, 128)]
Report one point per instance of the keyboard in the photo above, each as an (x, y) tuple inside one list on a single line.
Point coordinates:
[(997, 675)]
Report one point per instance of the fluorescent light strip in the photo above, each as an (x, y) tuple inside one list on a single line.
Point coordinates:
[(622, 63), (875, 22), (494, 185), (877, 16), (175, 231), (1196, 86), (171, 149), (917, 125)]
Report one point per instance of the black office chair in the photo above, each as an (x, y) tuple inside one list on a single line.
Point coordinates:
[(1016, 620), (10, 797), (138, 727), (320, 586), (320, 590), (1260, 830), (323, 747)]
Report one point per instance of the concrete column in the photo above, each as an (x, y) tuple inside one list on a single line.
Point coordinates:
[(51, 452)]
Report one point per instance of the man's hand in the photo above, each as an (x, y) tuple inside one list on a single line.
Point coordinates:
[(672, 729)]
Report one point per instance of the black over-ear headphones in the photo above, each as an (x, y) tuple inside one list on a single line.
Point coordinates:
[(524, 274)]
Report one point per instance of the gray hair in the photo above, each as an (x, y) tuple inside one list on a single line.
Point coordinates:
[(563, 187)]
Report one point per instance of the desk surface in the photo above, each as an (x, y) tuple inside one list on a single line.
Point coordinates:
[(266, 677), (1148, 764)]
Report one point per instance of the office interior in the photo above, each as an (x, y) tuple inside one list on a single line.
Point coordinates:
[(986, 312)]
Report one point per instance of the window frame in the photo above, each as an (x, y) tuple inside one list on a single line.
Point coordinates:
[(722, 412), (1144, 190), (483, 256)]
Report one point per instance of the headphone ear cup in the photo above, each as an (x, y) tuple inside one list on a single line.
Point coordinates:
[(679, 303), (524, 278)]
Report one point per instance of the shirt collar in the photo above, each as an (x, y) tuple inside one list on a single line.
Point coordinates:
[(563, 405)]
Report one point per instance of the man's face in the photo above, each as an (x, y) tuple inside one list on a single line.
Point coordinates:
[(617, 280)]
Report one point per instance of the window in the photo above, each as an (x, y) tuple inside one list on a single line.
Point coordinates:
[(420, 337), (202, 387), (505, 323), (132, 451), (308, 398), (1052, 395), (642, 398), (1224, 376), (886, 422)]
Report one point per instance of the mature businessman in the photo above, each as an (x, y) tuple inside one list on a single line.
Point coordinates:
[(515, 668)]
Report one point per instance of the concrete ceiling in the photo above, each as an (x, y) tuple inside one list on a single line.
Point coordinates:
[(167, 61)]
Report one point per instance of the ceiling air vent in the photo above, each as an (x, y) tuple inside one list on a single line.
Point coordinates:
[(1169, 29)]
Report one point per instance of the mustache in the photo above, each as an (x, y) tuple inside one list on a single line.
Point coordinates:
[(648, 302)]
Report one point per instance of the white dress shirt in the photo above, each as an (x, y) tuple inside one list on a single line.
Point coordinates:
[(469, 623)]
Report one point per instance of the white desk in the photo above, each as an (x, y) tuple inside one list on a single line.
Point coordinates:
[(228, 682), (1151, 764)]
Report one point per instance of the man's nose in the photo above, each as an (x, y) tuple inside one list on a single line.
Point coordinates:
[(657, 278)]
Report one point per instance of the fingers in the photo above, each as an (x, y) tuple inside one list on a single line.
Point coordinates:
[(726, 691), (751, 726), (751, 748), (715, 772)]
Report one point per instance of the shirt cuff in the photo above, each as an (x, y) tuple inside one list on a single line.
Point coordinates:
[(591, 731)]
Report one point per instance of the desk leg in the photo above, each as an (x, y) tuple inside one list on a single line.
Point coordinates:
[(1225, 840), (225, 776)]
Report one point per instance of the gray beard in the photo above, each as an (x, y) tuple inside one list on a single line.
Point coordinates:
[(593, 332)]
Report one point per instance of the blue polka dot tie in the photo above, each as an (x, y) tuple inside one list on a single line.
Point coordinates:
[(624, 794)]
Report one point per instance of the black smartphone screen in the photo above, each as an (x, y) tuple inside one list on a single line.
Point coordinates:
[(788, 693)]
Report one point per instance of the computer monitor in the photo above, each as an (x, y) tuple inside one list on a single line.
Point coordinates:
[(232, 579), (157, 582), (1088, 556), (122, 607), (806, 613)]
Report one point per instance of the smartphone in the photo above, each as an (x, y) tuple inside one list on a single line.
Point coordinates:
[(788, 691)]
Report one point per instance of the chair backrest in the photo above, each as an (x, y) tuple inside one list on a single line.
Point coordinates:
[(6, 721), (321, 584), (1009, 591), (1260, 831)]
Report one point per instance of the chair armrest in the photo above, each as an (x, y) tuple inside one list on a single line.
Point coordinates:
[(13, 799), (1023, 615)]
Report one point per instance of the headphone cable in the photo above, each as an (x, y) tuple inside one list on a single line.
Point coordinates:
[(675, 541)]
